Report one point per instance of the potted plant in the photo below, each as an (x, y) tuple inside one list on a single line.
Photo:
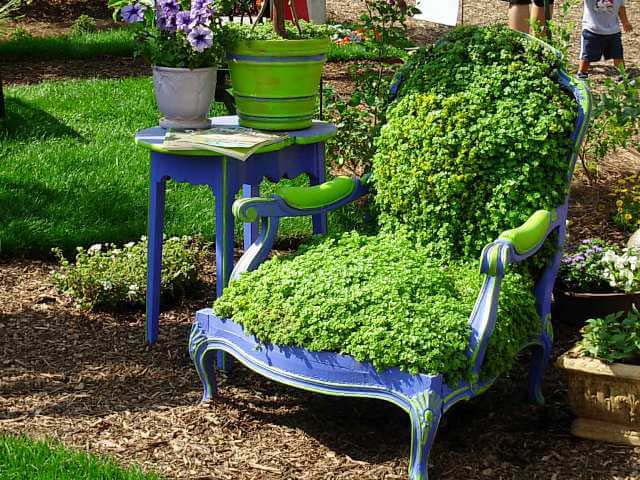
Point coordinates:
[(597, 279), (276, 68), (183, 42), (603, 375)]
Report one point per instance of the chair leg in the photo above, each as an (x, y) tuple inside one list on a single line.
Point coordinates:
[(424, 425), (539, 363), (204, 360)]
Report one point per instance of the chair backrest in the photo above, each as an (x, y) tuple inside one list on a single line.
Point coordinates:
[(579, 91)]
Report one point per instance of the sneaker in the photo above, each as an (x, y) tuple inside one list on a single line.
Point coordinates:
[(582, 75)]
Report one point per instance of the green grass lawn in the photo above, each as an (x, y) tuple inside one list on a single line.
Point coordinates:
[(120, 43), (24, 459), (117, 42), (71, 174)]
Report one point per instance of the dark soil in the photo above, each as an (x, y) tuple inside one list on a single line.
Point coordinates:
[(65, 11)]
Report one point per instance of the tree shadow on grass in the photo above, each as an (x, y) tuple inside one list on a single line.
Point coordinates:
[(23, 121), (29, 209)]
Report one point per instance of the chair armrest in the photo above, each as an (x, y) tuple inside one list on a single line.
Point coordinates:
[(519, 243), (302, 201), (290, 202)]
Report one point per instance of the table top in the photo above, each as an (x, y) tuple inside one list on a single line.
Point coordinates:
[(153, 138)]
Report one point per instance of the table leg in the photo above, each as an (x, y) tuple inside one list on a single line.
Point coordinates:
[(224, 189), (250, 229), (317, 177), (154, 255)]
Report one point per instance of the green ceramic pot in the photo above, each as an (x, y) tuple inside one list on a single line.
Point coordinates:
[(276, 82)]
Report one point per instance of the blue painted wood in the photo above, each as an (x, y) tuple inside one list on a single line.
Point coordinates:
[(225, 177), (425, 398)]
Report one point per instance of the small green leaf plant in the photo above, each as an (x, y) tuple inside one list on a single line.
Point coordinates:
[(108, 276), (614, 338), (83, 24)]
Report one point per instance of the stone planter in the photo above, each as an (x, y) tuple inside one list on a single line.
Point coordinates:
[(184, 96), (577, 308), (604, 397), (276, 82)]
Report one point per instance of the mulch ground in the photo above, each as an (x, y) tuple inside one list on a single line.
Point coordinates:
[(87, 379)]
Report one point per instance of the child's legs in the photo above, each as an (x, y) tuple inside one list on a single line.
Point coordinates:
[(584, 66), (519, 15), (538, 13), (592, 49), (614, 50)]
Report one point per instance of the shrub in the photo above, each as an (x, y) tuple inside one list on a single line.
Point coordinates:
[(109, 276), (83, 24), (467, 154), (379, 299), (613, 338)]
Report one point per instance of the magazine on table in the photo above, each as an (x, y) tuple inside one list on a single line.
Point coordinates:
[(235, 142)]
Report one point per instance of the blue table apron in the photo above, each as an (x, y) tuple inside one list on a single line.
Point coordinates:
[(302, 152)]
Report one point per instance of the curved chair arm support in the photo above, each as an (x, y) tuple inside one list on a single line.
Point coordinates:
[(511, 246), (321, 199)]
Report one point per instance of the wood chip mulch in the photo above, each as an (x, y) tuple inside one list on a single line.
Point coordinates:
[(87, 380)]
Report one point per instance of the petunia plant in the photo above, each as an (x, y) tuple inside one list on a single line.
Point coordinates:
[(174, 33)]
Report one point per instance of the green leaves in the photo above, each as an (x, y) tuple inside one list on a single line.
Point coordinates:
[(108, 276), (478, 141), (379, 299), (613, 338)]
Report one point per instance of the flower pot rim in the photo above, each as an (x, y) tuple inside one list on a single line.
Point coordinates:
[(281, 40), (281, 47), (182, 69), (571, 361), (571, 293)]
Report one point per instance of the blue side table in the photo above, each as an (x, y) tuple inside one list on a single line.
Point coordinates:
[(302, 152)]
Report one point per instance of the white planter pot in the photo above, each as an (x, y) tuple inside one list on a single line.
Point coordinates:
[(184, 96)]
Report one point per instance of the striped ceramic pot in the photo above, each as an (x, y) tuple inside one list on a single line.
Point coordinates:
[(276, 82)]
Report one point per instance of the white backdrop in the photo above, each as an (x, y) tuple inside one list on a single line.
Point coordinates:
[(438, 11)]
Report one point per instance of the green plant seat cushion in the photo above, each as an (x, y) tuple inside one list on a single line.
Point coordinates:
[(381, 300), (318, 196)]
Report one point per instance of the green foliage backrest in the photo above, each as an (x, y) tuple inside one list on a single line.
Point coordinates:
[(476, 142)]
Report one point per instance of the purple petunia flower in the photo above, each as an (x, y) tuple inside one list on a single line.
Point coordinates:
[(200, 38), (133, 13), (183, 22), (171, 7), (201, 13)]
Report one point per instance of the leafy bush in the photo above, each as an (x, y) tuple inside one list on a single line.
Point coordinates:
[(615, 121), (381, 300), (83, 24), (109, 276), (613, 338), (467, 154)]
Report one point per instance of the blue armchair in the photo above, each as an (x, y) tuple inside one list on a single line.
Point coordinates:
[(426, 398)]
